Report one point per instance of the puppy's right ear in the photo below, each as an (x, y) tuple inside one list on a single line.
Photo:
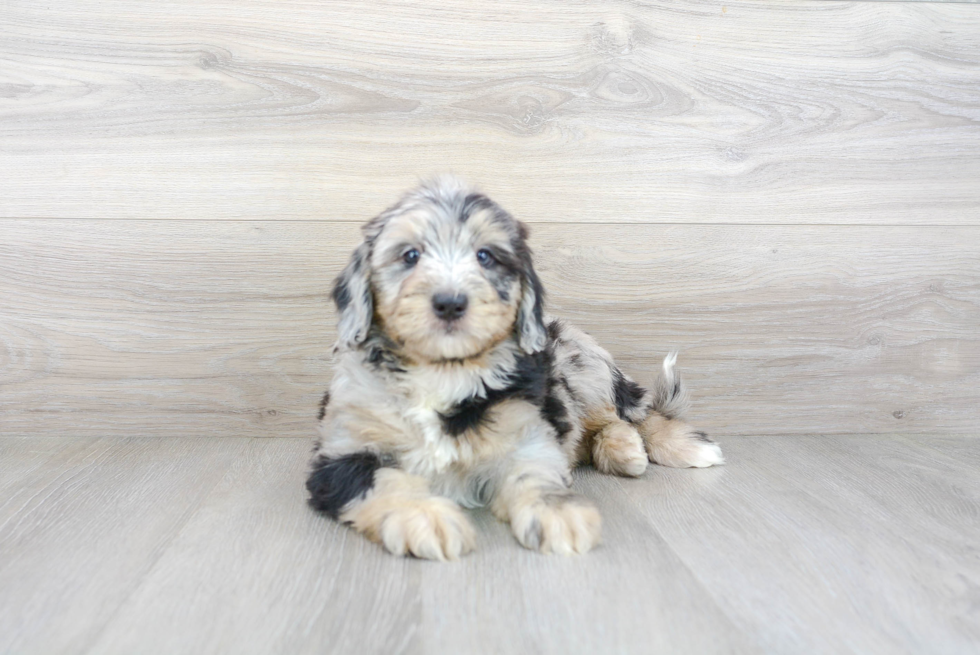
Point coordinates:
[(352, 295)]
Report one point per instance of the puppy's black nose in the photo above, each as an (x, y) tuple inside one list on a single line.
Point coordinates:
[(449, 306)]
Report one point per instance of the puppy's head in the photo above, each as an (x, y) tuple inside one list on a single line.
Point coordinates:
[(445, 273)]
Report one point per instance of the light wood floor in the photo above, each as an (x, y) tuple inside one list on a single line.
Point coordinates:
[(800, 545)]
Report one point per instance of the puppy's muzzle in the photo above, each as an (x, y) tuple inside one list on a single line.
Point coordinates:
[(449, 306)]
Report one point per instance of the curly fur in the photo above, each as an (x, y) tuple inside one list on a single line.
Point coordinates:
[(489, 405)]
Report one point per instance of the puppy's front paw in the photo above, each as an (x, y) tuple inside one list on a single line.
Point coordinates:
[(430, 528), (561, 523)]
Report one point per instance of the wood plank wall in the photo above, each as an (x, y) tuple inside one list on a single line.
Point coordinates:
[(787, 192)]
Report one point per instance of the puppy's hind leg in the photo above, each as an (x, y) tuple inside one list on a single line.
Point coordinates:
[(668, 440), (617, 447), (389, 506)]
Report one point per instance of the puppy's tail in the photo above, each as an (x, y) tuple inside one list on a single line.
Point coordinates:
[(668, 395)]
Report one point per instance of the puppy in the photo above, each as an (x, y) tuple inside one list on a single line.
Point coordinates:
[(453, 390)]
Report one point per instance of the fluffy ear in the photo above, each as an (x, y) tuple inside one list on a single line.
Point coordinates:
[(532, 336), (352, 295)]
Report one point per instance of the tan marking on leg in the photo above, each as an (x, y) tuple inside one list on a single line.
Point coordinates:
[(671, 442), (618, 449), (613, 445), (400, 513)]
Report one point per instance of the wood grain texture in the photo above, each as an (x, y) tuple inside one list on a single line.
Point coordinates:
[(632, 595), (257, 571), (27, 469), (965, 451), (859, 543), (681, 111), (78, 533), (223, 328), (800, 544), (312, 584)]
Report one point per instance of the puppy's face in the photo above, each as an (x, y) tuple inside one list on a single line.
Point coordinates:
[(448, 275)]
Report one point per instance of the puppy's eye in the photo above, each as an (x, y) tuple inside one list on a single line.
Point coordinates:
[(411, 257), (485, 257)]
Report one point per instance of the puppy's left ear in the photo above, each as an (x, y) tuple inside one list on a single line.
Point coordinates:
[(352, 295), (532, 335)]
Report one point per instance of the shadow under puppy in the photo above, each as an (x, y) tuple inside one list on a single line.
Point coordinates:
[(452, 389)]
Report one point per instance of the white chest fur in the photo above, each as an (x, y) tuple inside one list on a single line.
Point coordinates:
[(428, 393), (405, 409)]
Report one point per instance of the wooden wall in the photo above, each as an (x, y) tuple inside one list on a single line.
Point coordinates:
[(787, 192)]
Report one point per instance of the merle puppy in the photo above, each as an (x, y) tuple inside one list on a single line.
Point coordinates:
[(453, 390)]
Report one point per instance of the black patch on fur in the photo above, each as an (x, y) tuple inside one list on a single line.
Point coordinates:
[(627, 394), (701, 436), (334, 482), (341, 294), (323, 406), (531, 278), (532, 380), (507, 261), (502, 278), (554, 411), (466, 415), (554, 331), (473, 202), (528, 381), (381, 352)]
